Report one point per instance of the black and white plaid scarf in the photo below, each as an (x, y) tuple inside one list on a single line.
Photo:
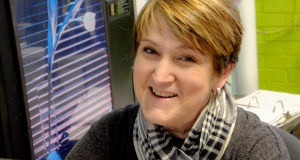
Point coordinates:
[(207, 139)]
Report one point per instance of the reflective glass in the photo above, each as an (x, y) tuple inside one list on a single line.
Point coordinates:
[(64, 54)]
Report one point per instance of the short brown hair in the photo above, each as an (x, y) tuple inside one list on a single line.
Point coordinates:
[(212, 27)]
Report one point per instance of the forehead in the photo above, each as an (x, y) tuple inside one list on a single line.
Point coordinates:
[(160, 22), (160, 34)]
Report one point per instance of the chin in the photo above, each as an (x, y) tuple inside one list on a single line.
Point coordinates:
[(158, 117)]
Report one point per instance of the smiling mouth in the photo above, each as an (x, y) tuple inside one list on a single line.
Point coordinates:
[(162, 94)]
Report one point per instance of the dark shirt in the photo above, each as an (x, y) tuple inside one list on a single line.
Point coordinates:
[(111, 138)]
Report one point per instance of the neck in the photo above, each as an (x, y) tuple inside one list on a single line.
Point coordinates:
[(178, 133)]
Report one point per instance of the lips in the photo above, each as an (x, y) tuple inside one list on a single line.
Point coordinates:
[(163, 94)]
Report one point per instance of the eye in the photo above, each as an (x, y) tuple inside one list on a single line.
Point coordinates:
[(188, 59), (149, 50)]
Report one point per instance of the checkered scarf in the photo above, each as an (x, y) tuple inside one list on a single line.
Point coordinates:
[(207, 139)]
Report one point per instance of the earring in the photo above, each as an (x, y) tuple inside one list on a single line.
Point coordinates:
[(218, 92)]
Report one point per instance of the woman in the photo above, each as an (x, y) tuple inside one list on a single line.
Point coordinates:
[(185, 51)]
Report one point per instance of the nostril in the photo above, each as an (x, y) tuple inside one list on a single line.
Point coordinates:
[(165, 77)]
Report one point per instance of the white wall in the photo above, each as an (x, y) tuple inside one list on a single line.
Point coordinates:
[(138, 5), (245, 76)]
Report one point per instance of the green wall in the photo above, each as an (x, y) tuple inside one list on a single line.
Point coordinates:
[(278, 42)]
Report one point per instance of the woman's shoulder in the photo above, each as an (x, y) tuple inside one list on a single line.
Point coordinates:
[(253, 139), (119, 116), (110, 137)]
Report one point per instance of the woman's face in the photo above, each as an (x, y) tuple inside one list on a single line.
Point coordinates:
[(172, 82)]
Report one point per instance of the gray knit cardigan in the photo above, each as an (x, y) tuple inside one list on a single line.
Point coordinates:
[(110, 138)]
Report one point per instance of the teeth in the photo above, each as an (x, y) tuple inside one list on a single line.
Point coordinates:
[(163, 94)]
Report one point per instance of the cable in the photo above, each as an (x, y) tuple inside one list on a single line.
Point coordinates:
[(285, 28), (280, 30)]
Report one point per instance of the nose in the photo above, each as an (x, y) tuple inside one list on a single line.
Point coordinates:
[(163, 72)]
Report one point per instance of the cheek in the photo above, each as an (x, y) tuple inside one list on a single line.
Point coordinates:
[(136, 74), (140, 74), (196, 86)]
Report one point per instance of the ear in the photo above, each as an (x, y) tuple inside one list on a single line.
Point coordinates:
[(224, 76)]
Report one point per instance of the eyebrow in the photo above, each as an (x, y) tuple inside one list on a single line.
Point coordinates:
[(182, 46), (148, 40)]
